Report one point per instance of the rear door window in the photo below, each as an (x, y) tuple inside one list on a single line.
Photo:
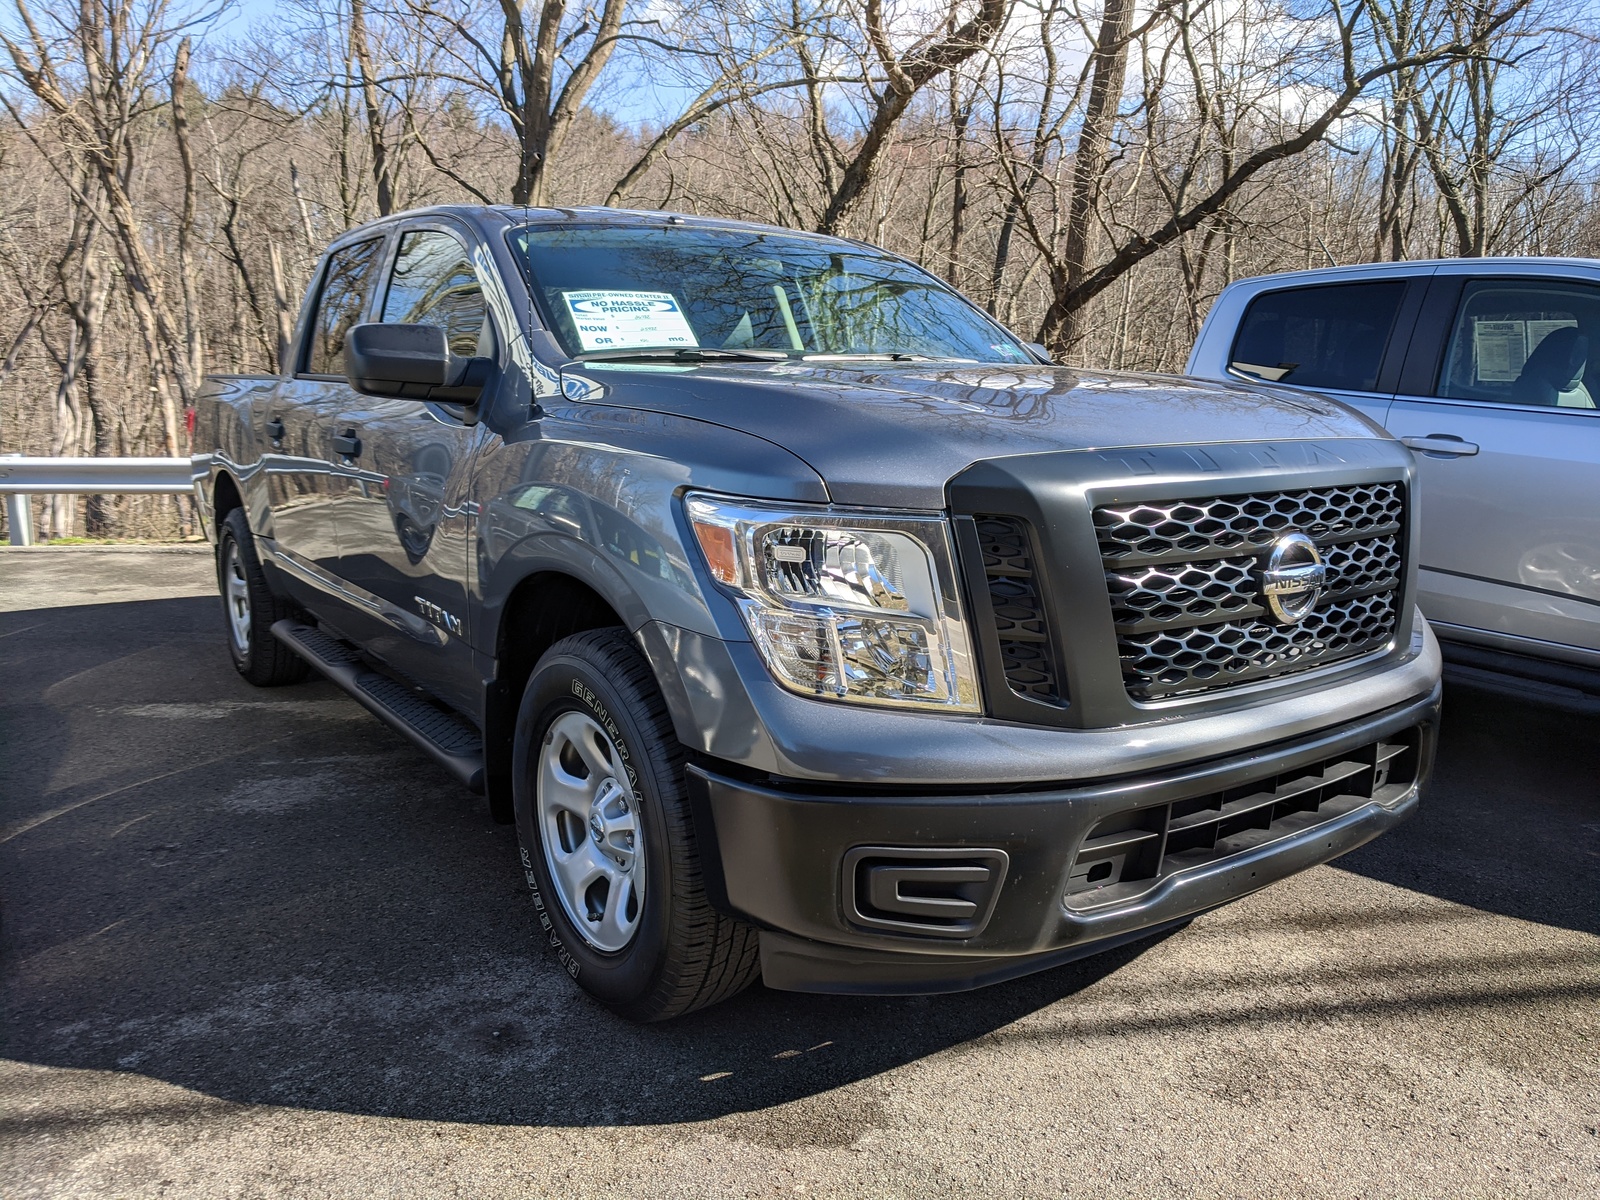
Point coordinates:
[(1331, 337), (346, 297), (433, 283), (1519, 342)]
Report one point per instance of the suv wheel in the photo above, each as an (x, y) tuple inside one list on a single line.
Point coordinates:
[(249, 608), (606, 838)]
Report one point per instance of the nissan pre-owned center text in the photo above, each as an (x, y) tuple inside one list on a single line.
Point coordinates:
[(808, 625)]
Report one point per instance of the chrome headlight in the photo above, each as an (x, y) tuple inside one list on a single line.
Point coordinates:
[(846, 605)]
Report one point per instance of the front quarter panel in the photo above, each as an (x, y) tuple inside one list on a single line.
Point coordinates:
[(591, 491)]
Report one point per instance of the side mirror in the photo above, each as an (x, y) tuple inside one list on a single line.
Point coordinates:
[(414, 362), (1039, 351)]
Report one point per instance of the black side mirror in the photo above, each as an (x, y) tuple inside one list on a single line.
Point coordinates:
[(412, 361)]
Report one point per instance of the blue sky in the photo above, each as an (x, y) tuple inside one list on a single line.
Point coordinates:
[(641, 102)]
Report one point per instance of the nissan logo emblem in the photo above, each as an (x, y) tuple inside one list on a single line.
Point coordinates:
[(1293, 579)]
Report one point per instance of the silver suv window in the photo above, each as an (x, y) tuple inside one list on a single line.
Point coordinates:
[(1523, 343), (1331, 336)]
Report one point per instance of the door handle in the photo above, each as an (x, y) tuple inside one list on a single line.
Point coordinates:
[(349, 445), (1446, 444), (275, 430)]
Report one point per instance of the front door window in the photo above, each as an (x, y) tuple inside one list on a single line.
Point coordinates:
[(1523, 343), (433, 283)]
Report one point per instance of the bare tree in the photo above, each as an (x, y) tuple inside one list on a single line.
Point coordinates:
[(361, 52), (1358, 65), (1090, 169), (906, 72), (119, 48), (537, 70), (1484, 126)]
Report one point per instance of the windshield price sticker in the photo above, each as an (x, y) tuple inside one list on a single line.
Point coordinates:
[(626, 320)]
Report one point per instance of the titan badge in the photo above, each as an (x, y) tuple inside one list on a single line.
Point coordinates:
[(446, 620), (1293, 578)]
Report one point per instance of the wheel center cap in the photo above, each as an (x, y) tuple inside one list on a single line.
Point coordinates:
[(597, 831)]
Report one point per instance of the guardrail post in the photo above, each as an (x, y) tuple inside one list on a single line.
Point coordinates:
[(19, 514)]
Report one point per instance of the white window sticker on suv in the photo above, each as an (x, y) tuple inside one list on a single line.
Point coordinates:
[(624, 320)]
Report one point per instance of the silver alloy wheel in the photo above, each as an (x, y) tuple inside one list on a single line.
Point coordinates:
[(236, 595), (589, 825)]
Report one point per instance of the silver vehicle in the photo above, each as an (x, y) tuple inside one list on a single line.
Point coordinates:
[(1489, 370)]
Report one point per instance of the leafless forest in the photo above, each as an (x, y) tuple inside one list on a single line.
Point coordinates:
[(1092, 171)]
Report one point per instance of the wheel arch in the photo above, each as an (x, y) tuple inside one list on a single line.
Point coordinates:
[(226, 495), (548, 602)]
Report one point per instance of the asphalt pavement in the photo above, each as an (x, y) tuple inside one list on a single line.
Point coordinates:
[(253, 944)]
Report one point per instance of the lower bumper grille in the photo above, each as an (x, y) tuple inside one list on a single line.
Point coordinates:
[(1129, 853)]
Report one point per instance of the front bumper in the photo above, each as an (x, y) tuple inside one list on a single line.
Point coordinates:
[(725, 705), (798, 860)]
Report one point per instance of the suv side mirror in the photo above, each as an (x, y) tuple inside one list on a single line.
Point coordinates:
[(414, 362)]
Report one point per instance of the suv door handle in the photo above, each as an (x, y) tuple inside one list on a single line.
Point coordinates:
[(1446, 444), (275, 430), (349, 445)]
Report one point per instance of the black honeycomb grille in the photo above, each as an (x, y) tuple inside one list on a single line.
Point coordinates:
[(1187, 529), (1026, 654), (1183, 579), (1371, 562)]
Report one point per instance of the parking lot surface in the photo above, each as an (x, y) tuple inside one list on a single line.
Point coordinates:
[(253, 944)]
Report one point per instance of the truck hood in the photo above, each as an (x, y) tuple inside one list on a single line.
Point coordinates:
[(892, 434)]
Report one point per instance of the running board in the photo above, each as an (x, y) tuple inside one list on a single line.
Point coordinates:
[(449, 737)]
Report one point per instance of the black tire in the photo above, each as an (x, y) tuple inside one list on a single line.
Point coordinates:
[(683, 954), (258, 656)]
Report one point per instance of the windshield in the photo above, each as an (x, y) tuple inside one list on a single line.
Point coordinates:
[(615, 291)]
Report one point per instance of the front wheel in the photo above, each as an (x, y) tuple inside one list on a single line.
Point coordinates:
[(607, 843), (250, 608)]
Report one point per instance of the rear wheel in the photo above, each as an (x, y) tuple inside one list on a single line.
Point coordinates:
[(607, 843), (249, 608)]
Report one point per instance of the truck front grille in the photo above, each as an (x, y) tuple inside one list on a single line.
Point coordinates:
[(1019, 616), (1127, 854), (1184, 581)]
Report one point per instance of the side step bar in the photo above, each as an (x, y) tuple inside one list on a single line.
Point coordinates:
[(450, 738)]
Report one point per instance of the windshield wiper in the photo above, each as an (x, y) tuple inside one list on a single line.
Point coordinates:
[(686, 354), (888, 356)]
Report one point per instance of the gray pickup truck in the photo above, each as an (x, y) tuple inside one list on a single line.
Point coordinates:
[(807, 624)]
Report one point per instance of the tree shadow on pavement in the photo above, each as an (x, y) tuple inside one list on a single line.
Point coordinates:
[(268, 897), (1511, 820)]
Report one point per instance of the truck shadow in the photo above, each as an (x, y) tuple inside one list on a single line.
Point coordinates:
[(1511, 820), (267, 897)]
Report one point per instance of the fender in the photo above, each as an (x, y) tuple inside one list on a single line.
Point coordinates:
[(547, 554), (250, 484), (503, 673)]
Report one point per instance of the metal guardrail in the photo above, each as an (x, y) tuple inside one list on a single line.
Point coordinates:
[(21, 478)]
